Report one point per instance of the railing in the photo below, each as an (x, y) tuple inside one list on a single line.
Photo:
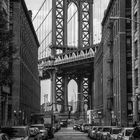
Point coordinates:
[(71, 56)]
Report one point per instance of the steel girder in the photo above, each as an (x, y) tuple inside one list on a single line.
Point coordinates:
[(59, 37), (59, 90), (84, 89)]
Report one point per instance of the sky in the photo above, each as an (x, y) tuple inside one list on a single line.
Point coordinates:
[(98, 12)]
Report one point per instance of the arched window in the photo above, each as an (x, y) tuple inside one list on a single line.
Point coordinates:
[(72, 94), (72, 25)]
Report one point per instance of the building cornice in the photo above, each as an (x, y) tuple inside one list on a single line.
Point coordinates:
[(29, 19), (107, 11), (30, 22)]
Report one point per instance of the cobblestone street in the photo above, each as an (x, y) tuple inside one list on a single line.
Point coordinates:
[(70, 134)]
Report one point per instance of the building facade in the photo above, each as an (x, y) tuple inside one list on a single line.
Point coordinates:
[(25, 90), (4, 32), (117, 66), (136, 58), (98, 76)]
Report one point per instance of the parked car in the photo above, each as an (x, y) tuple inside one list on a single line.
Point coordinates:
[(35, 133), (79, 127), (4, 136), (75, 127), (85, 127), (125, 133), (96, 132), (135, 135), (51, 130), (113, 133), (58, 126), (17, 132), (42, 129), (104, 132), (63, 123), (90, 131)]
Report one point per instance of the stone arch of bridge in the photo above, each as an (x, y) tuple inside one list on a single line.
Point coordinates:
[(72, 94), (59, 42)]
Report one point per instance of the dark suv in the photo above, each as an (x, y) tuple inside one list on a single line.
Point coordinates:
[(135, 135), (50, 130)]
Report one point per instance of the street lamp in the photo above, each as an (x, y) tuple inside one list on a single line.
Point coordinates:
[(20, 115), (100, 116), (15, 116)]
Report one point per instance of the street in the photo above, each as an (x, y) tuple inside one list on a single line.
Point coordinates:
[(70, 134)]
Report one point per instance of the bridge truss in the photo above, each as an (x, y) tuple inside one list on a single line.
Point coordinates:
[(70, 62)]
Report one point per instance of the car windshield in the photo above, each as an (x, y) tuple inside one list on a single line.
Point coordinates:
[(106, 129), (39, 127), (128, 132), (94, 128), (116, 131), (18, 132), (88, 125)]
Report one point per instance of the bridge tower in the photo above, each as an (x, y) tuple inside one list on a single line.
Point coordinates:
[(60, 80)]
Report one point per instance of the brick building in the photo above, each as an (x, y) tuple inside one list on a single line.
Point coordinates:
[(98, 75), (25, 89), (4, 31), (136, 58), (117, 66)]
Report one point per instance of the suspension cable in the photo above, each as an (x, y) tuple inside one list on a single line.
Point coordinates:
[(39, 10), (45, 38), (43, 20), (72, 16)]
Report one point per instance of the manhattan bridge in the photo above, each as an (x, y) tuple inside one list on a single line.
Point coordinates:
[(65, 31)]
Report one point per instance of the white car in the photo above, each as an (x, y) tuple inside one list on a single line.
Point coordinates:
[(91, 135), (104, 132), (17, 132), (42, 129), (35, 133), (4, 136), (20, 133), (113, 133), (125, 133)]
